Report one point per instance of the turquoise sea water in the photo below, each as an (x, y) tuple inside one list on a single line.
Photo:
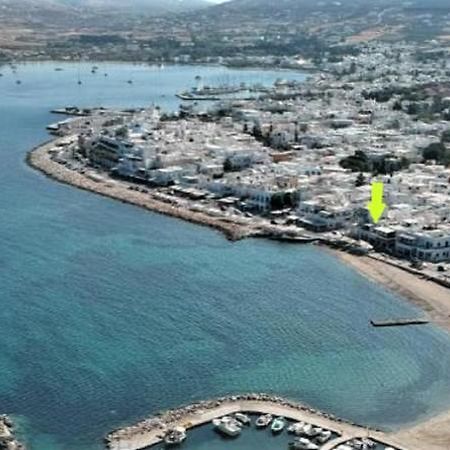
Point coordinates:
[(109, 313)]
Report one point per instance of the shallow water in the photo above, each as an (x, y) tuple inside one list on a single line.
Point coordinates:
[(110, 312)]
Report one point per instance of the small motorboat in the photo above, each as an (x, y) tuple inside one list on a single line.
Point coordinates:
[(296, 428), (278, 425), (303, 444), (324, 436), (175, 436), (263, 421), (243, 418)]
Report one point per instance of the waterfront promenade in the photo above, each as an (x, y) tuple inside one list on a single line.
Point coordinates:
[(151, 431), (40, 159)]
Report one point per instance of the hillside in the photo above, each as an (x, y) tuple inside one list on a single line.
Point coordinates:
[(156, 6), (63, 10)]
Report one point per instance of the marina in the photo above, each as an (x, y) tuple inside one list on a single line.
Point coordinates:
[(230, 416)]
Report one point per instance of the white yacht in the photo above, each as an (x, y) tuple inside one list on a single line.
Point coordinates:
[(228, 426)]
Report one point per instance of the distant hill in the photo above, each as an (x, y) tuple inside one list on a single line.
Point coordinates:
[(156, 6), (282, 7), (24, 8)]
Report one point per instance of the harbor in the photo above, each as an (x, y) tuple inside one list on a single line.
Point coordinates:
[(294, 377), (229, 416)]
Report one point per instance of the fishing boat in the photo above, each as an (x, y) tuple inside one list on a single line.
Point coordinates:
[(263, 421), (243, 418), (278, 425), (175, 436)]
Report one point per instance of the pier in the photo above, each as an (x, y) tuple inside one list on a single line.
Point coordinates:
[(398, 322), (151, 431)]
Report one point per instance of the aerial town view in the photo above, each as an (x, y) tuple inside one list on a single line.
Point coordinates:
[(225, 224)]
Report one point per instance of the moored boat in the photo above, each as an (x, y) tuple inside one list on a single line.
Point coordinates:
[(278, 425), (175, 436), (296, 428), (243, 418), (227, 426), (263, 421), (303, 444), (324, 436)]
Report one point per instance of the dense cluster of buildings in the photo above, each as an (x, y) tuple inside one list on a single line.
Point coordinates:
[(305, 154)]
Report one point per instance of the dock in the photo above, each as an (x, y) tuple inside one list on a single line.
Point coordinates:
[(151, 431), (398, 322)]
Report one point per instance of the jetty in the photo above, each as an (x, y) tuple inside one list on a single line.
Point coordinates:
[(398, 322), (152, 431)]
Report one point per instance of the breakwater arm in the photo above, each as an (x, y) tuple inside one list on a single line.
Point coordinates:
[(151, 431)]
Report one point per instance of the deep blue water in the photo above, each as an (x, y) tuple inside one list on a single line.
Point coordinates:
[(109, 313)]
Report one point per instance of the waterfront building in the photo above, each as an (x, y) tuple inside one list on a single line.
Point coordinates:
[(322, 215), (426, 245)]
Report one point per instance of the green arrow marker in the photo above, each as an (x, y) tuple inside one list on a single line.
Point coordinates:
[(376, 206)]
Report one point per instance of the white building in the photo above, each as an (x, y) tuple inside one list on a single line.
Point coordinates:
[(429, 245)]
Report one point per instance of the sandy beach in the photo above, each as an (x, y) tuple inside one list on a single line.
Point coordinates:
[(433, 434), (432, 298)]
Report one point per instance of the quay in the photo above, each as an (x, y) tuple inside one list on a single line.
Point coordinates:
[(151, 431), (398, 322)]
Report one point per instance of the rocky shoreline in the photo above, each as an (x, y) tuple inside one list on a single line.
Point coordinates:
[(7, 438)]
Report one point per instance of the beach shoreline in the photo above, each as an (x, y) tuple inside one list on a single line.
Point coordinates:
[(430, 297), (422, 291), (426, 294)]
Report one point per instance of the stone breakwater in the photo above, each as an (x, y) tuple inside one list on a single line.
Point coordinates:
[(7, 438), (151, 431)]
